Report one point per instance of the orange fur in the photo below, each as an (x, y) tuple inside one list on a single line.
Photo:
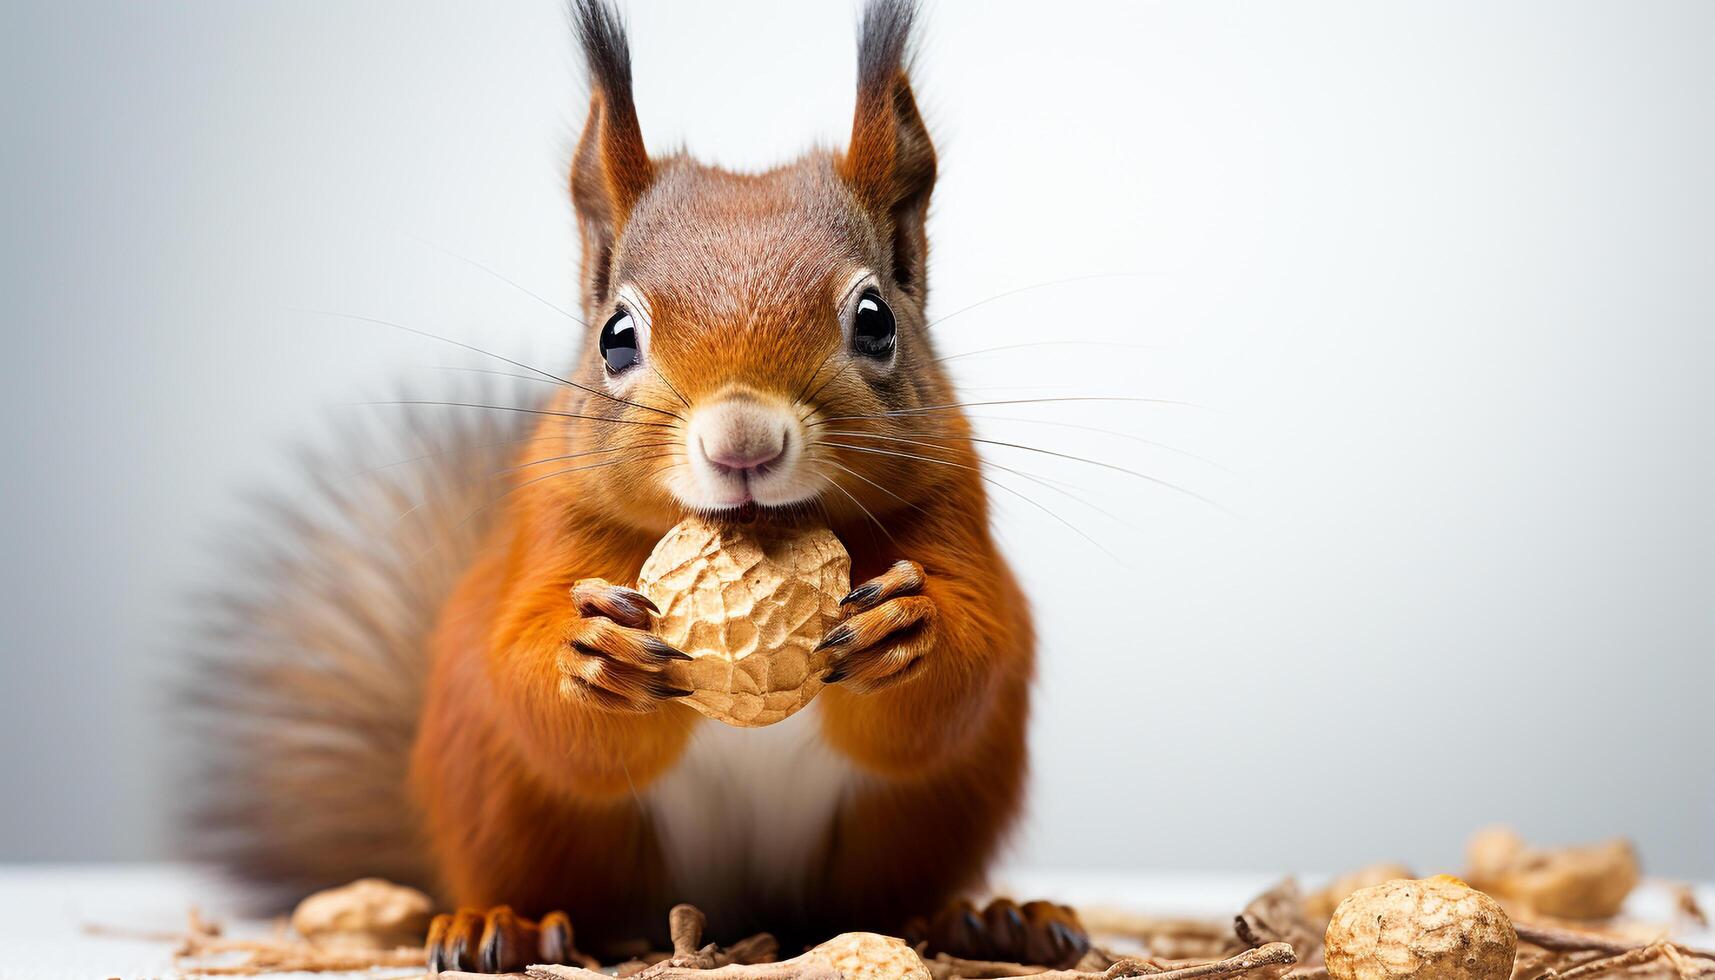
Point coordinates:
[(531, 791), (529, 758)]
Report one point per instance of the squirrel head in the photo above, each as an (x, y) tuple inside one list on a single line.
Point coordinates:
[(756, 341)]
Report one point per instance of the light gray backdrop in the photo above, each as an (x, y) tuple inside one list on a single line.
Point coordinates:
[(1440, 276)]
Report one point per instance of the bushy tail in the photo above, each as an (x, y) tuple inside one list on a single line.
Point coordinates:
[(307, 676)]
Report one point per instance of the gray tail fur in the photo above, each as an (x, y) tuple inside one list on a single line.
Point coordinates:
[(307, 673)]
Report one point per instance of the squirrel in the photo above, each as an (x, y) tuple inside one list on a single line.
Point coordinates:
[(470, 700)]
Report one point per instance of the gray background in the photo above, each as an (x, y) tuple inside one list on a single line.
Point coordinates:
[(1440, 275)]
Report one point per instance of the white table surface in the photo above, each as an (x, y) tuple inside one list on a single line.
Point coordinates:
[(45, 909)]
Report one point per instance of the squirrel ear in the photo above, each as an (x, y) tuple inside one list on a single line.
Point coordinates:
[(890, 163), (611, 169)]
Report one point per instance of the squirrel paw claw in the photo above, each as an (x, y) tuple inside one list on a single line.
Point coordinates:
[(627, 607), (887, 634), (498, 941), (1037, 933), (610, 656)]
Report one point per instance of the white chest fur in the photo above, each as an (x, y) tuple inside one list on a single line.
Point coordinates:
[(745, 812)]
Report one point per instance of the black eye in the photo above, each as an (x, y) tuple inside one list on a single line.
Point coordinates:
[(619, 342), (872, 326)]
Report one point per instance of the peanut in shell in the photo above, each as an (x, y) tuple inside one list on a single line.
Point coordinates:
[(1435, 929), (749, 603)]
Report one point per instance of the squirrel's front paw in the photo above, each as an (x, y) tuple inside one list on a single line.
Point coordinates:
[(887, 635), (610, 657)]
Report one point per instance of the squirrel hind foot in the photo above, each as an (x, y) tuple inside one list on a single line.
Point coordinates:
[(499, 941), (1036, 933)]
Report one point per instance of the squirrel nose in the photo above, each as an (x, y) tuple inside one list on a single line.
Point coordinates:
[(739, 436), (741, 457)]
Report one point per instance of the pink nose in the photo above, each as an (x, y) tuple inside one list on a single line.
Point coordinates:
[(741, 435), (745, 455)]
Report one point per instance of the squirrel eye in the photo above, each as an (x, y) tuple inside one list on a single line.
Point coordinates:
[(618, 342), (873, 333)]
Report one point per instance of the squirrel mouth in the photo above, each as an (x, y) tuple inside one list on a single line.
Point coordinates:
[(752, 513)]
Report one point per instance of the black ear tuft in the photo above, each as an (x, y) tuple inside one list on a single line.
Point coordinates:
[(607, 53), (890, 163), (611, 169), (883, 37)]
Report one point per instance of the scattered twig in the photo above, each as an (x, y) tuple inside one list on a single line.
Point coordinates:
[(1122, 968), (1276, 925), (1273, 954), (1608, 964), (760, 948), (946, 966), (121, 932), (202, 940), (882, 957), (302, 958), (1277, 916), (788, 970), (1703, 968), (1165, 937), (1685, 900), (685, 924), (1573, 941)]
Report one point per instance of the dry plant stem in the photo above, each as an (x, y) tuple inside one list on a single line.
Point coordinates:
[(750, 958), (685, 923), (121, 932), (1532, 961), (1165, 938), (1701, 969), (1273, 954), (291, 959), (1123, 969), (1642, 954), (954, 966), (1277, 916), (760, 948), (202, 939), (1572, 941), (732, 971), (1685, 900)]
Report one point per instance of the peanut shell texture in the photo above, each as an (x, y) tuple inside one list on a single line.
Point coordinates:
[(869, 956), (749, 603), (369, 913), (1435, 929), (1587, 882)]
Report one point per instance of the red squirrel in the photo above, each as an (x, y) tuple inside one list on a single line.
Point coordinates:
[(471, 699)]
